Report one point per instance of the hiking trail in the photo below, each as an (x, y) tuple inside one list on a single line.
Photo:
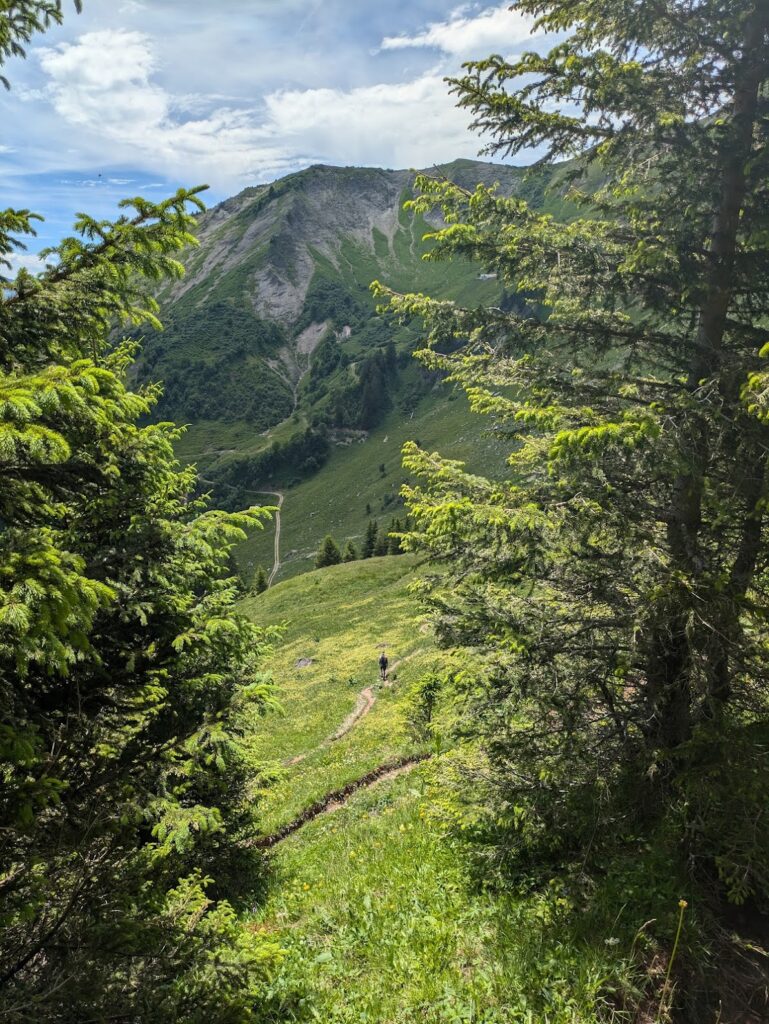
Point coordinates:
[(337, 798), (366, 700)]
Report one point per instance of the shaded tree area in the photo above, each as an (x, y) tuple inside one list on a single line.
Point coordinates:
[(613, 588), (283, 462), (211, 362), (328, 553), (363, 401)]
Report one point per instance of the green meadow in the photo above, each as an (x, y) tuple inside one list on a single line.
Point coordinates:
[(376, 903)]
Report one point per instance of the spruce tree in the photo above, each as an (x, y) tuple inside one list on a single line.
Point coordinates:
[(123, 662), (615, 581), (350, 552), (260, 580), (393, 540), (370, 539), (328, 553)]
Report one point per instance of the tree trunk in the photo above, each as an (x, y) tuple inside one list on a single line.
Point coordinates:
[(670, 662)]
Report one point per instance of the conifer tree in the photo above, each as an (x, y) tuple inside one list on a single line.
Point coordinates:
[(393, 540), (20, 20), (370, 539), (616, 579), (328, 553), (260, 580), (122, 660), (350, 552)]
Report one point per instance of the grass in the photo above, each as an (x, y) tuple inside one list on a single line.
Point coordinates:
[(349, 613), (334, 500), (374, 905)]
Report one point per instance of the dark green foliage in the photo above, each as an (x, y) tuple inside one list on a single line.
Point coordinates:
[(394, 546), (614, 585), (382, 545), (330, 299), (361, 402), (325, 360), (375, 332), (300, 456), (375, 375), (370, 539), (212, 365), (260, 580), (350, 552), (328, 553)]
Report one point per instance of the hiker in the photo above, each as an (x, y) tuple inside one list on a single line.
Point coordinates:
[(383, 663)]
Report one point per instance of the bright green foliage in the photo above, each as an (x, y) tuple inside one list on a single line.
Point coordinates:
[(328, 553), (616, 577), (122, 661), (21, 19)]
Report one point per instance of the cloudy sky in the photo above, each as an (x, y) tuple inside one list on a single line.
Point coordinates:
[(141, 96)]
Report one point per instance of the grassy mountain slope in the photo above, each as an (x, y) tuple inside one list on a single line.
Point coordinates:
[(374, 903), (335, 499), (275, 358)]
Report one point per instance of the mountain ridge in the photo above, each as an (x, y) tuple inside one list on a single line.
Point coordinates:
[(273, 352)]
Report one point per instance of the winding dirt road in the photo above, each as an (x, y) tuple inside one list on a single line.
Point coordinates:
[(276, 554)]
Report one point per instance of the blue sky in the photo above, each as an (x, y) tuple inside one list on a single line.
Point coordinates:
[(142, 96)]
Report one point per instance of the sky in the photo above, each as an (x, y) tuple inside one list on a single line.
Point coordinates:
[(144, 96)]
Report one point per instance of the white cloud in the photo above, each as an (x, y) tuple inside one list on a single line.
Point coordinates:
[(495, 30), (26, 260), (406, 125), (104, 84), (105, 78)]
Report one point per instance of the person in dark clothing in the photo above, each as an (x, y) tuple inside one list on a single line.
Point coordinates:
[(383, 663)]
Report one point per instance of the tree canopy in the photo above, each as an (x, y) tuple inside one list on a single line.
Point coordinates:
[(122, 660), (614, 582)]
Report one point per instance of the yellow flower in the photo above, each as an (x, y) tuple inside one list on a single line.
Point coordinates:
[(306, 886)]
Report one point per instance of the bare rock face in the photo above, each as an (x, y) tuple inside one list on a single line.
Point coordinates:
[(273, 322), (275, 236)]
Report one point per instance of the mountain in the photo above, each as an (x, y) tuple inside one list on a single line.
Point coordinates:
[(273, 353)]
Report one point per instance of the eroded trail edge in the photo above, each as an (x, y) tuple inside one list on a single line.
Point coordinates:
[(337, 798)]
